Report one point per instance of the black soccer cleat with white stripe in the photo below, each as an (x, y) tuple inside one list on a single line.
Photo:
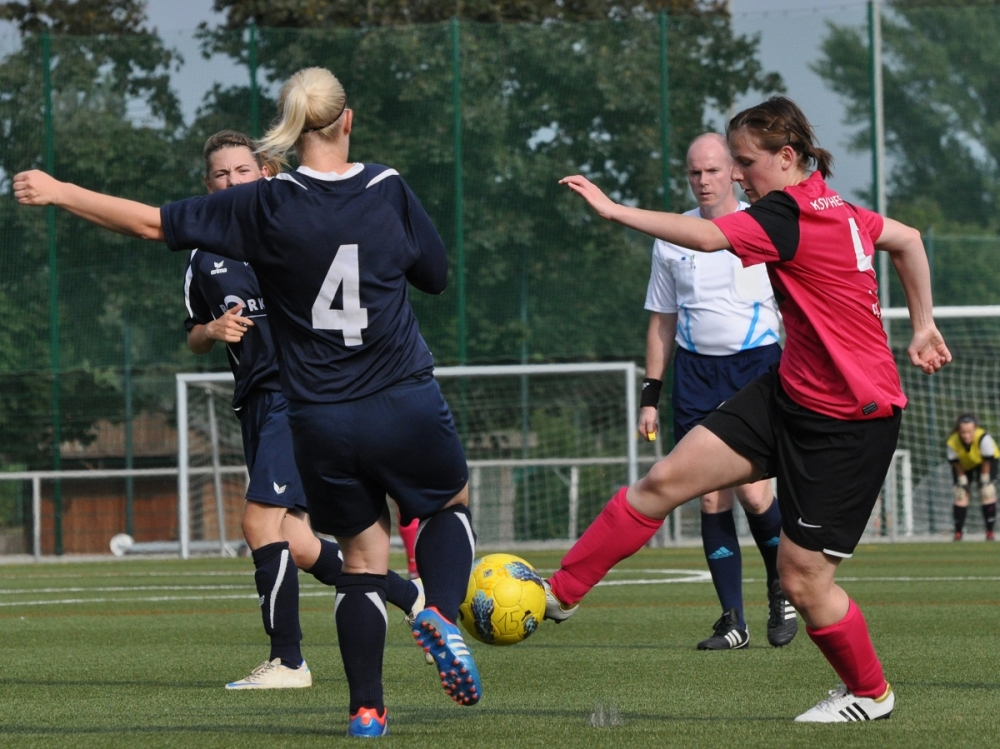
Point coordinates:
[(729, 635), (781, 622), (842, 706)]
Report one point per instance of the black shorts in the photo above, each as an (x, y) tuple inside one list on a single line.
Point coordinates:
[(829, 471), (400, 441)]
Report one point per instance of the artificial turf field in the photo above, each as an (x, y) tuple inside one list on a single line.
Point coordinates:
[(135, 653)]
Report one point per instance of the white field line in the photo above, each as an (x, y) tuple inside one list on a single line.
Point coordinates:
[(152, 599), (85, 576), (675, 576)]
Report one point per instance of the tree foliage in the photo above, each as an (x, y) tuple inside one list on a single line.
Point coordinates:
[(115, 121), (311, 14), (538, 101), (942, 112), (571, 87)]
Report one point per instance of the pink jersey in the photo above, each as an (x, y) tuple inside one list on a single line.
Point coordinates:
[(818, 250)]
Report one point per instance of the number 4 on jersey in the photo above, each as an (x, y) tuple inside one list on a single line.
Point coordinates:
[(353, 318)]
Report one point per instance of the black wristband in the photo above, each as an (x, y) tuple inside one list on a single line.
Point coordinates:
[(650, 395)]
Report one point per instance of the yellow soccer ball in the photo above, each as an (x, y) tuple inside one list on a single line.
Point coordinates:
[(505, 601)]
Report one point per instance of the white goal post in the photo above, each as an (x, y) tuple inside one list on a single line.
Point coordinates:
[(211, 385)]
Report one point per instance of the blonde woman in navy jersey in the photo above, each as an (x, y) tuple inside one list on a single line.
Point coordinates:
[(335, 245), (224, 305), (824, 422)]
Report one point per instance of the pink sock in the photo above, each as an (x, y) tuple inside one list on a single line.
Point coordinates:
[(618, 532), (849, 649), (409, 535)]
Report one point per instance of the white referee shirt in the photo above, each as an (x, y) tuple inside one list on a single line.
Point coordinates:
[(722, 308)]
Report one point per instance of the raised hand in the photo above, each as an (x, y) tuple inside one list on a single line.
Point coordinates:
[(36, 188), (601, 203)]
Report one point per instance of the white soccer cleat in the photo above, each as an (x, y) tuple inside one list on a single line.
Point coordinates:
[(418, 606), (554, 608), (272, 675), (842, 706)]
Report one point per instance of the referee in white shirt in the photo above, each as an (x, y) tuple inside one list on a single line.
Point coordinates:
[(724, 319)]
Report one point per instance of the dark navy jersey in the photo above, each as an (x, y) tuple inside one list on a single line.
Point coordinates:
[(213, 284), (333, 254)]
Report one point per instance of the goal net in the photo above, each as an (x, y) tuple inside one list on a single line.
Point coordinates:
[(212, 476)]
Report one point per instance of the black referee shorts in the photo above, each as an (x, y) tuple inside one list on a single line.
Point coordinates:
[(829, 471)]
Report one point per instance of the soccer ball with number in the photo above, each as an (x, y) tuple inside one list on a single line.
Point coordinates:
[(505, 600)]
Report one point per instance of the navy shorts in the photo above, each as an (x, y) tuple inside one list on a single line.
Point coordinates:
[(829, 471), (400, 441), (702, 382), (267, 446)]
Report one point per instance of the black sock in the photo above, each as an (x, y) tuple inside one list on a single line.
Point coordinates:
[(277, 580), (361, 623), (959, 513), (446, 546), (402, 593), (328, 565), (722, 552), (766, 531), (990, 515)]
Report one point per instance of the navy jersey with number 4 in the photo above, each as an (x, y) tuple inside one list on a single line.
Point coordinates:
[(214, 284), (333, 255)]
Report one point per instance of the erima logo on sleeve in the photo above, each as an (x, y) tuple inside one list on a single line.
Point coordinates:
[(219, 268), (279, 489)]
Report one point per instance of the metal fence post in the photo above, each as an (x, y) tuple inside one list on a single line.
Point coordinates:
[(252, 64), (664, 112), (50, 222), (456, 103)]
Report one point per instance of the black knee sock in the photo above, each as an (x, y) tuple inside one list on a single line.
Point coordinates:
[(990, 515), (328, 565), (959, 513), (722, 552), (766, 531), (446, 546), (277, 580), (402, 593), (361, 623)]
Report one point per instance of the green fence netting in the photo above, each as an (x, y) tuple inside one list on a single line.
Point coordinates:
[(481, 120)]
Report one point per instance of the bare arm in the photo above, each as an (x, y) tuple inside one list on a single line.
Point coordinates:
[(229, 328), (688, 231), (927, 349), (117, 214), (659, 348)]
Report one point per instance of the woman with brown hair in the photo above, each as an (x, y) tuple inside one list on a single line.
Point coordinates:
[(824, 422)]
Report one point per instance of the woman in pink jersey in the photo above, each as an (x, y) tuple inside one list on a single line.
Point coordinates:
[(824, 422)]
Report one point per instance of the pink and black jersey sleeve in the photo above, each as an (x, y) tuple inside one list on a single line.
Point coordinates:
[(766, 232)]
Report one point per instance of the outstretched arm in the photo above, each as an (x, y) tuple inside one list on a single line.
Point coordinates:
[(927, 349), (117, 214), (687, 231)]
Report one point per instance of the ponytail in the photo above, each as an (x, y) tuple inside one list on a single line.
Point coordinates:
[(312, 100)]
